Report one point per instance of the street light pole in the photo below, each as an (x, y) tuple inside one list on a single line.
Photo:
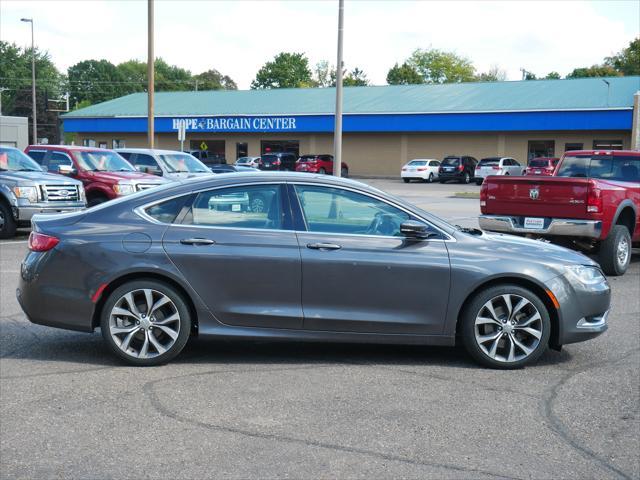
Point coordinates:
[(33, 81), (337, 131), (150, 75)]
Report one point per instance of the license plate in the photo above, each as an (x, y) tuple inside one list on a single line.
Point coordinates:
[(267, 164), (534, 223), (537, 172), (449, 169)]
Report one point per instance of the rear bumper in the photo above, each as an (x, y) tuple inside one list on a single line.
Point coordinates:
[(567, 227)]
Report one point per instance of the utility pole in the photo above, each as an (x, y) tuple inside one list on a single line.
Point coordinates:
[(337, 131), (33, 81), (150, 75)]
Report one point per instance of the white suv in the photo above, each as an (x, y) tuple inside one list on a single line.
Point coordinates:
[(497, 166), (424, 169)]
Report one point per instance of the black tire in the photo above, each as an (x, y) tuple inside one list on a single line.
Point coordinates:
[(474, 307), (181, 307), (430, 179), (442, 181), (609, 255), (96, 200), (479, 181), (466, 178), (322, 171), (344, 172), (405, 180), (7, 223)]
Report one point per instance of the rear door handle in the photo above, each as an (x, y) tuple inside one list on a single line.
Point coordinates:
[(197, 241), (323, 246)]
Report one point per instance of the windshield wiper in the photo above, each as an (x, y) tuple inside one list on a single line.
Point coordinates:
[(471, 231)]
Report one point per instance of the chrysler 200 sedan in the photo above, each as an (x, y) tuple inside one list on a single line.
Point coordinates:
[(325, 259)]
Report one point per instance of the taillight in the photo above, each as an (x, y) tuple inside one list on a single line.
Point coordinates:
[(39, 242), (594, 199), (404, 169), (421, 169), (496, 167), (277, 162), (440, 169), (460, 168), (483, 194)]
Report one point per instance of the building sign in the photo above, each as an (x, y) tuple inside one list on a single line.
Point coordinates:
[(235, 124)]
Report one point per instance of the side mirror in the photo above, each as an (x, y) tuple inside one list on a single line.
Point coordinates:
[(66, 170), (417, 230)]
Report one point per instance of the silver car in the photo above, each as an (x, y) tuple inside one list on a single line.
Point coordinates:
[(327, 259), (169, 164)]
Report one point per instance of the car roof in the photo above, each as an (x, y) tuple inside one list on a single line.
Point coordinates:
[(149, 150), (615, 153)]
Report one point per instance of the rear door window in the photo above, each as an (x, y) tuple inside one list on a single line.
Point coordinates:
[(56, 159), (37, 155), (451, 162)]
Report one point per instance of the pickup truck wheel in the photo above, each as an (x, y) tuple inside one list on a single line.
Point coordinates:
[(7, 223), (615, 251), (505, 327)]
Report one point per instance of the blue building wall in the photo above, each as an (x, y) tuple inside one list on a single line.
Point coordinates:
[(450, 122)]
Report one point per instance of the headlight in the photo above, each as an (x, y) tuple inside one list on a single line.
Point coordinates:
[(123, 188), (30, 193), (585, 275)]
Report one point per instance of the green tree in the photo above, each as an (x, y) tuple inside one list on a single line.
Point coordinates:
[(134, 73), (438, 66), (627, 61), (171, 77), (403, 74), (15, 77), (552, 76), (495, 74), (594, 71), (214, 80), (286, 70), (323, 74), (355, 78), (95, 81)]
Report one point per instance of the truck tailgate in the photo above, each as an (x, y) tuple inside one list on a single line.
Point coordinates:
[(558, 197)]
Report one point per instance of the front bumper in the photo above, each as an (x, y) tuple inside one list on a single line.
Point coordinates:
[(567, 227), (25, 213)]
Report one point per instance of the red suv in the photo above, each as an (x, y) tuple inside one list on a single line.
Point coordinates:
[(104, 173), (542, 166), (322, 164)]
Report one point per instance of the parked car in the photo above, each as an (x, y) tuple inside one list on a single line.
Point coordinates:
[(222, 168), (207, 157), (169, 164), (460, 168), (104, 174), (26, 190), (592, 202), (144, 267), (278, 161), (322, 164), (423, 169), (497, 166), (252, 162), (542, 166)]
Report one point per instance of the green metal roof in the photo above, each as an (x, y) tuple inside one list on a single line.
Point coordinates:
[(577, 94)]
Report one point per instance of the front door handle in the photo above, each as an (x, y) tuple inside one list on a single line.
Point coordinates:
[(323, 246), (197, 241)]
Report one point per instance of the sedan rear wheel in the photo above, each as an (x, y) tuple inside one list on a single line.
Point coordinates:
[(506, 327), (145, 322)]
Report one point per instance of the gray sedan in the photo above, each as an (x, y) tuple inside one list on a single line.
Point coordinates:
[(324, 259)]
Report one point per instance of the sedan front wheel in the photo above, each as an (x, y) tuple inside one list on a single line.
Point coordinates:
[(505, 327)]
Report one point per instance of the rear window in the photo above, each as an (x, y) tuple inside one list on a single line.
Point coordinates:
[(538, 163), (489, 162), (451, 161), (620, 168), (166, 212), (307, 158), (417, 163), (269, 158)]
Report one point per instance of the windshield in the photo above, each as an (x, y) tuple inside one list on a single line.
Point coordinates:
[(183, 163), (489, 162), (14, 160), (103, 161), (539, 163), (451, 161), (244, 160), (417, 163)]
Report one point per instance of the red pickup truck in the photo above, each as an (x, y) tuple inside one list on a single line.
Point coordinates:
[(104, 173), (592, 202)]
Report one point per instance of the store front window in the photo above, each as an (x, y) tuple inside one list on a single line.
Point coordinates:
[(607, 144), (541, 148), (573, 146), (287, 146)]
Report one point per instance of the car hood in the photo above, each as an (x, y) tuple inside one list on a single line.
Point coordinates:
[(40, 177), (520, 249), (137, 177), (185, 175)]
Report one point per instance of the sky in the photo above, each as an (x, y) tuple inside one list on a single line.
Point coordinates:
[(238, 37)]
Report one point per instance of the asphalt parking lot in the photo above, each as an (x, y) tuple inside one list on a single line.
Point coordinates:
[(264, 410)]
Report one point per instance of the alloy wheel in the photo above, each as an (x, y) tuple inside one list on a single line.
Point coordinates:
[(622, 252), (508, 328), (257, 205), (144, 323)]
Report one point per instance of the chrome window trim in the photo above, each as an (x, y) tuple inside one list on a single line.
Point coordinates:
[(141, 211)]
